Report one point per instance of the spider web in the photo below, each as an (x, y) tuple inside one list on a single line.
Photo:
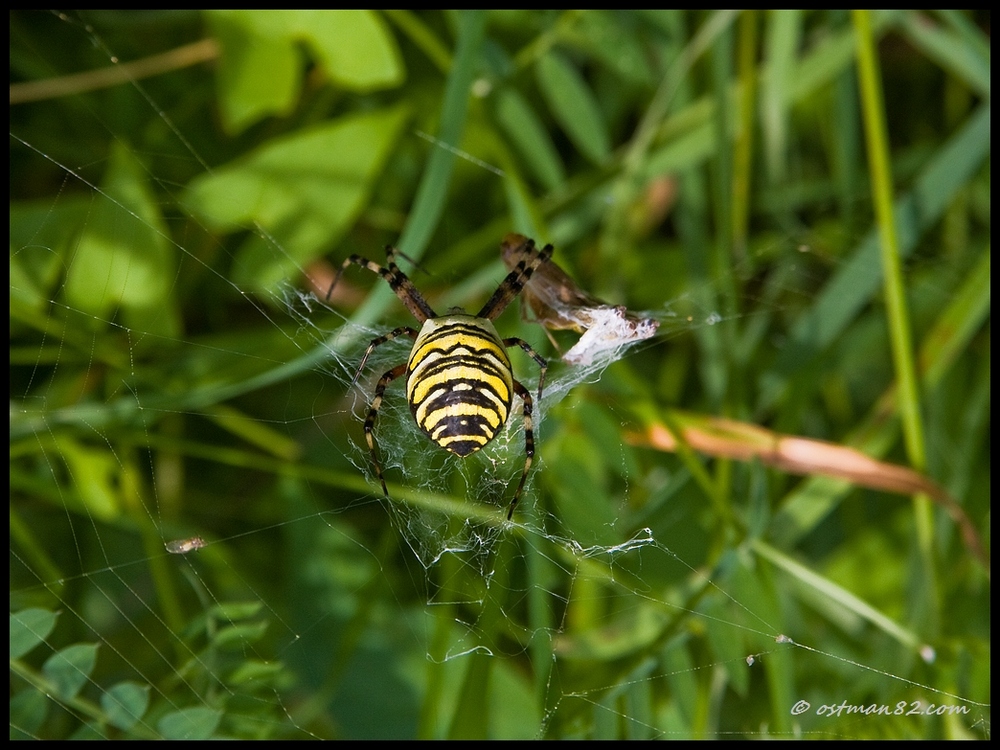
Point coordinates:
[(155, 620), (434, 480)]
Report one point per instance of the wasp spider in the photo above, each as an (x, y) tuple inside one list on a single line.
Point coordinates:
[(459, 380)]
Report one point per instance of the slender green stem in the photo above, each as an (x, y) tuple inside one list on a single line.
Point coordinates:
[(873, 114)]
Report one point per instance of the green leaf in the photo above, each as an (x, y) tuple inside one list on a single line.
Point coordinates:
[(239, 635), (573, 105), (260, 67), (41, 235), (23, 288), (258, 71), (615, 38), (966, 56), (95, 472), (355, 47), (28, 628), (234, 611), (304, 191), (69, 670), (125, 703), (196, 723), (123, 257), (28, 711), (254, 672), (529, 136)]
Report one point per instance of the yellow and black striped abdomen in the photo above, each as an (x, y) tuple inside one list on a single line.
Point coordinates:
[(459, 382)]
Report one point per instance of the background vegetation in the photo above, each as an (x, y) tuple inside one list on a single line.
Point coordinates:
[(738, 168)]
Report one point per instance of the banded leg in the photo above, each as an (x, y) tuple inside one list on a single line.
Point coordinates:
[(378, 342), (391, 375), (542, 364), (511, 286), (397, 280), (529, 444)]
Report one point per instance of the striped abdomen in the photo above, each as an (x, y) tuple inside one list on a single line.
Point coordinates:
[(459, 382)]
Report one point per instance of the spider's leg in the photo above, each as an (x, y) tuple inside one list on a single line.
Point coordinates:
[(397, 280), (391, 375), (529, 444), (511, 286), (378, 342), (542, 364)]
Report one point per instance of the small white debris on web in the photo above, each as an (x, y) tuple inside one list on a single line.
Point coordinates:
[(607, 329), (559, 304), (183, 546), (750, 661)]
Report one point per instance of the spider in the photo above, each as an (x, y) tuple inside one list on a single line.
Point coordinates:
[(459, 380)]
